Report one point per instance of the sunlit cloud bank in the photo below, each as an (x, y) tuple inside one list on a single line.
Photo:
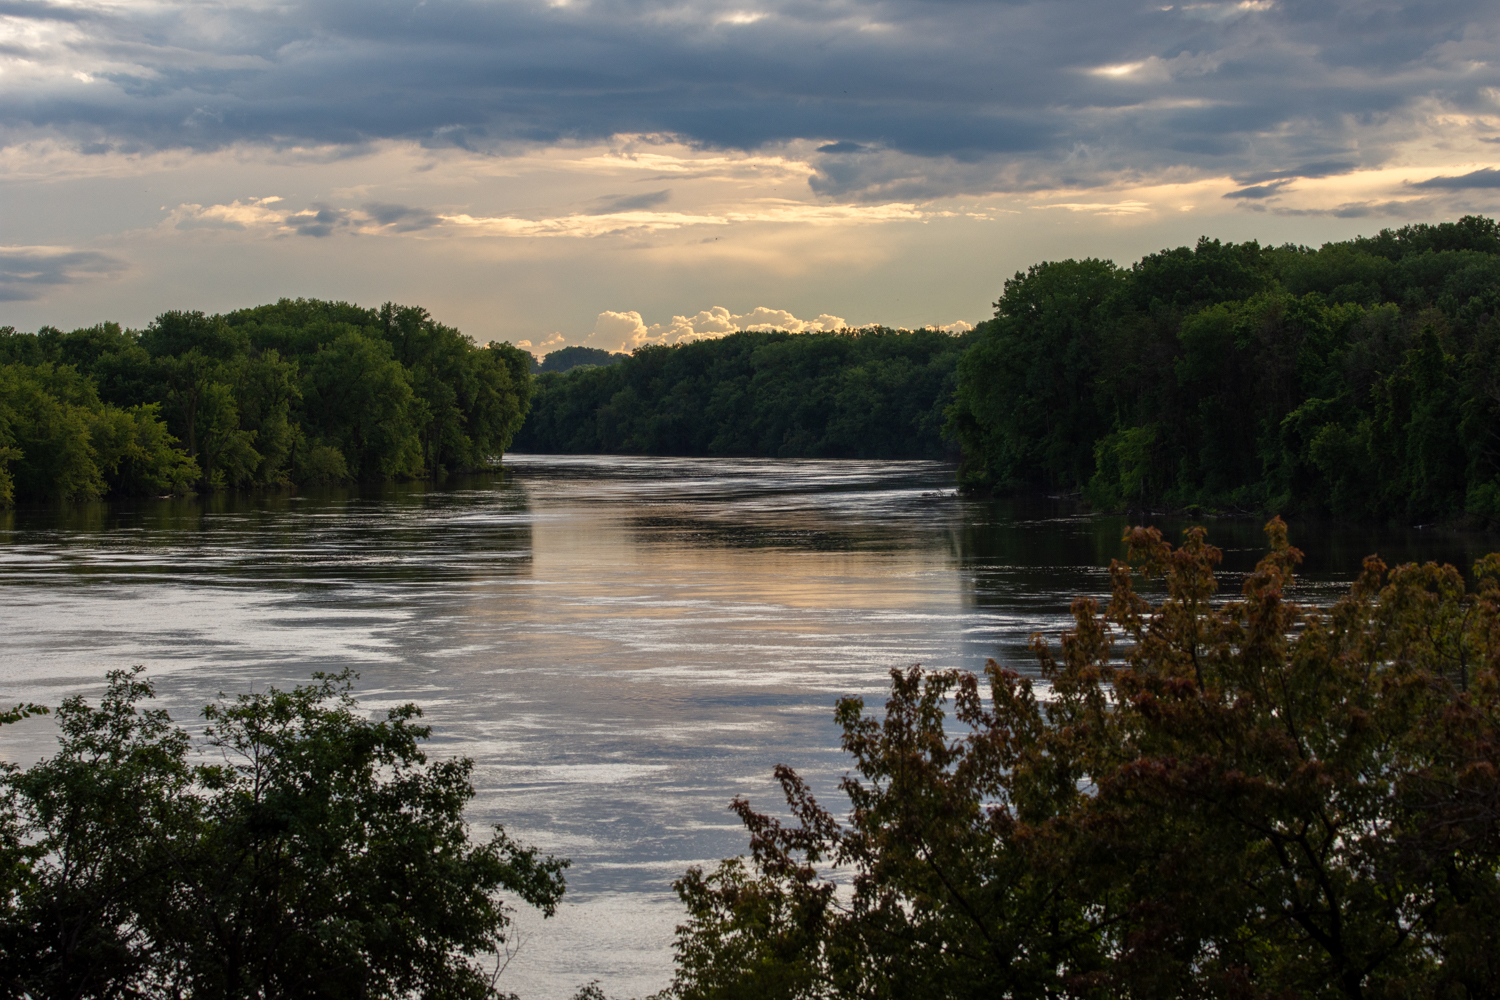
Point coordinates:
[(626, 331), (629, 331)]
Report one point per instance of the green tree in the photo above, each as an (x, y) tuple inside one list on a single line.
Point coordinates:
[(873, 393), (137, 456), (358, 398), (1025, 410), (265, 391), (229, 457), (317, 853)]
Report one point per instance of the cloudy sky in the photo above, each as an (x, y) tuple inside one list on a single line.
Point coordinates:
[(615, 172)]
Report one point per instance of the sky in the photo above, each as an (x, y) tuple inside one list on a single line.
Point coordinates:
[(622, 172)]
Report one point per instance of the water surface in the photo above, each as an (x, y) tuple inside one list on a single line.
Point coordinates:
[(622, 645)]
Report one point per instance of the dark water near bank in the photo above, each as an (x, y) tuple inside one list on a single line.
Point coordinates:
[(622, 645)]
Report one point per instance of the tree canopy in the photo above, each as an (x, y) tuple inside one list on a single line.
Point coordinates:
[(295, 848), (1361, 379), (297, 392), (872, 393), (565, 359), (1251, 799)]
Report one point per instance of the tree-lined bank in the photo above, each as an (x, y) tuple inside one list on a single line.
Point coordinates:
[(299, 392), (873, 393), (1360, 380)]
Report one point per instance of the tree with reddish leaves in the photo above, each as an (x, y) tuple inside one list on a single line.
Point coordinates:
[(1199, 798)]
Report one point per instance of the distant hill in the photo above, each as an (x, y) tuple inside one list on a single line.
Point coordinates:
[(569, 358)]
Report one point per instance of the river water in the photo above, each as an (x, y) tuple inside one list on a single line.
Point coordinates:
[(621, 644)]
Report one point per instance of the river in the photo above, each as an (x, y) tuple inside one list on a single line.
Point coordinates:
[(621, 644)]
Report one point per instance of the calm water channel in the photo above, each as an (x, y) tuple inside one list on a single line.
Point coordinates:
[(623, 645)]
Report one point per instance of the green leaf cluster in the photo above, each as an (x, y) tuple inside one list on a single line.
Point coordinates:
[(873, 393), (1251, 799), (295, 848), (1361, 379), (302, 391), (59, 440)]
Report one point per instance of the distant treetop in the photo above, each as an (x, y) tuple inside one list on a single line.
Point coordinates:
[(568, 358)]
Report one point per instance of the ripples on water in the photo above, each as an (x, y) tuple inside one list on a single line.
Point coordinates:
[(622, 645)]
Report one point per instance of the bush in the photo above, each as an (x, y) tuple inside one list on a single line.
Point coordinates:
[(1258, 800), (294, 849)]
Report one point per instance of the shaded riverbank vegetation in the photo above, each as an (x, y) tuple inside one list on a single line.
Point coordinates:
[(1360, 380), (873, 393), (300, 392)]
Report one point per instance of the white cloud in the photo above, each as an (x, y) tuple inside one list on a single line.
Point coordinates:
[(787, 212), (251, 213), (1123, 69), (630, 331), (1104, 208), (545, 346)]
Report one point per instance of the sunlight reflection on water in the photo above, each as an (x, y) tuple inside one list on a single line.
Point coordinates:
[(621, 644)]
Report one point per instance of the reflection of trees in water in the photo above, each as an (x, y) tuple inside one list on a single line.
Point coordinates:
[(1038, 532), (387, 533), (809, 530), (1023, 560)]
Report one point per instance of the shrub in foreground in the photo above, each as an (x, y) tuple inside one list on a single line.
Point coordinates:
[(1258, 799), (295, 849)]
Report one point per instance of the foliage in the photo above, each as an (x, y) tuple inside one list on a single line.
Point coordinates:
[(872, 393), (297, 392), (1358, 380), (565, 359), (1258, 800), (295, 848), (58, 440)]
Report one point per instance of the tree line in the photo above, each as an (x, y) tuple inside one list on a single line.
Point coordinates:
[(300, 392), (872, 393), (1361, 379), (1247, 798)]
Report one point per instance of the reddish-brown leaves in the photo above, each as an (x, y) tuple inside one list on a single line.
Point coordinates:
[(1258, 800)]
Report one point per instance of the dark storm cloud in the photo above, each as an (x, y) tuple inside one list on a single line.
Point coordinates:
[(1259, 191), (25, 272), (1327, 168), (401, 218), (1266, 90), (1486, 178)]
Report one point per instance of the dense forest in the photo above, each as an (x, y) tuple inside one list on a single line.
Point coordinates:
[(873, 393), (1360, 380), (298, 392)]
